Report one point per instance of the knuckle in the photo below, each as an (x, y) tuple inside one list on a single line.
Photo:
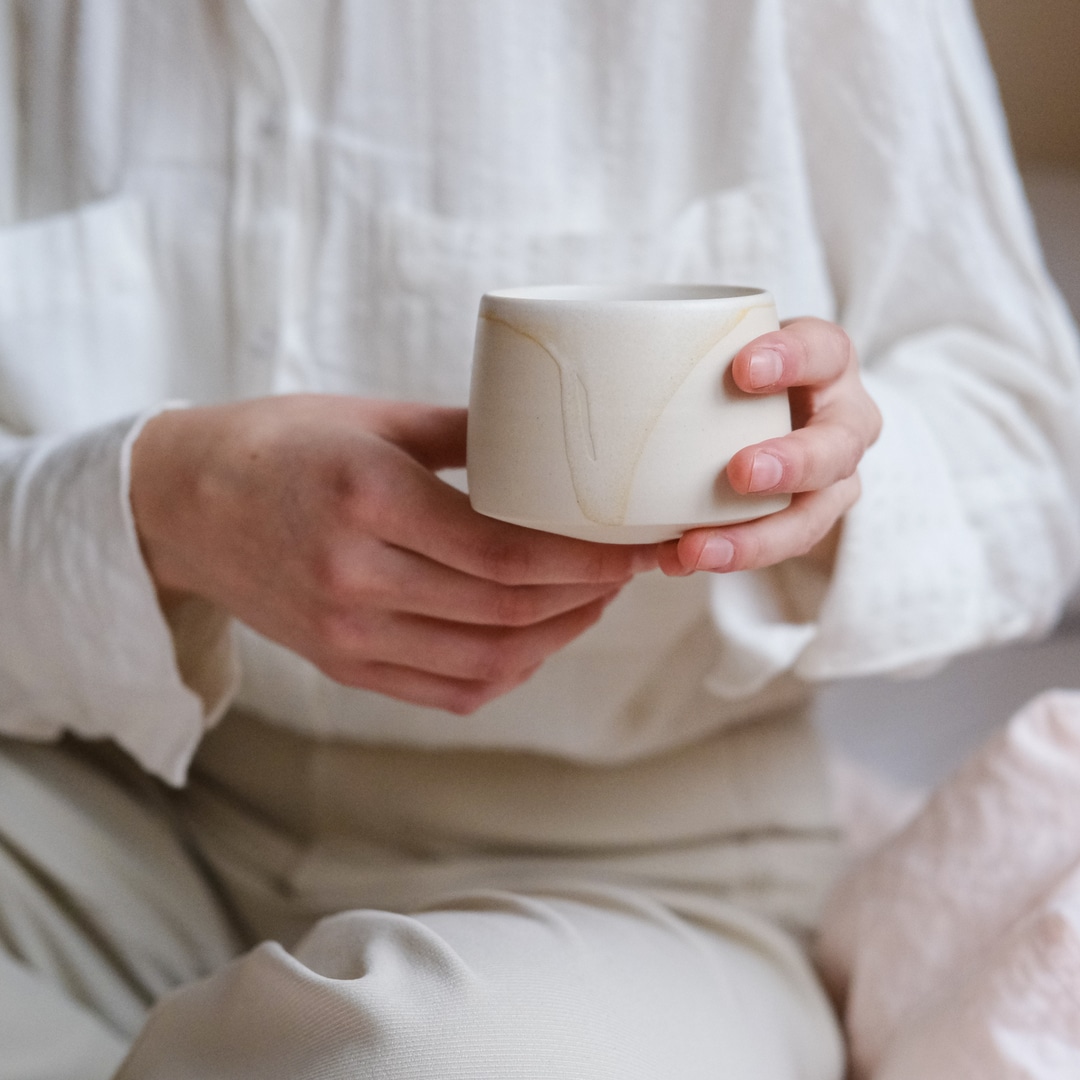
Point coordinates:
[(835, 342), (820, 350), (354, 573), (841, 341), (331, 572), (853, 450), (364, 495), (835, 338)]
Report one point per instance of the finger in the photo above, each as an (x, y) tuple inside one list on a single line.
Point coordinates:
[(671, 564), (403, 683), (826, 450), (435, 436), (414, 584), (494, 655), (421, 513), (804, 352), (768, 540)]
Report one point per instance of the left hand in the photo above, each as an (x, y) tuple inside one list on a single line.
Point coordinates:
[(834, 421)]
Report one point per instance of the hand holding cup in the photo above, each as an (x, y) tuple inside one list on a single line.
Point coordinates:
[(670, 413), (835, 422)]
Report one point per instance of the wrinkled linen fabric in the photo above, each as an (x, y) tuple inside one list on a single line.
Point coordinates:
[(202, 202), (469, 914), (955, 946), (395, 913)]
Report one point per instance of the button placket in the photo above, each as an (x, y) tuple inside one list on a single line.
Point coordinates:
[(261, 205)]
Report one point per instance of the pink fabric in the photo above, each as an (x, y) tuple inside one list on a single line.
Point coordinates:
[(869, 805), (955, 946)]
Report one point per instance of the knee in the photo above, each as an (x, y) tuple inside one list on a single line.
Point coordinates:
[(495, 985), (371, 993), (411, 1003)]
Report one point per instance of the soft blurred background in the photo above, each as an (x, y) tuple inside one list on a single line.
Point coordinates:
[(918, 730)]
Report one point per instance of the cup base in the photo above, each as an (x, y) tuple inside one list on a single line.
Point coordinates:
[(645, 533)]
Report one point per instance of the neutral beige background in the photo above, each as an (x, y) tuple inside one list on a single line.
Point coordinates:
[(1035, 48)]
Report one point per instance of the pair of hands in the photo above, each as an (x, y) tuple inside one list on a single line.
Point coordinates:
[(320, 522)]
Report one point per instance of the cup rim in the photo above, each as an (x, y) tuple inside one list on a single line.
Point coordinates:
[(657, 293)]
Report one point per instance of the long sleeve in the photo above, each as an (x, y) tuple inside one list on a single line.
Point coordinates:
[(83, 644), (175, 225), (966, 533), (84, 354)]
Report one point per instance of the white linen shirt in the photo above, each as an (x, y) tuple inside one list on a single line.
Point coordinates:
[(200, 201)]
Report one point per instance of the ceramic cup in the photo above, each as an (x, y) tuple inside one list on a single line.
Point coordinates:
[(610, 413)]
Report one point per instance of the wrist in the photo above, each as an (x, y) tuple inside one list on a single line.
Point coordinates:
[(158, 487)]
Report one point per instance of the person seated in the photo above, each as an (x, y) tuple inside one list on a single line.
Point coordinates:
[(308, 769)]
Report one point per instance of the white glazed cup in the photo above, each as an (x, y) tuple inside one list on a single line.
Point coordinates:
[(610, 413)]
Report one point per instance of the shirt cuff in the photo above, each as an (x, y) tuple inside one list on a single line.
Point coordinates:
[(909, 589), (84, 646)]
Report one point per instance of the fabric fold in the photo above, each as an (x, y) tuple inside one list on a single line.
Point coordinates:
[(953, 946), (84, 647)]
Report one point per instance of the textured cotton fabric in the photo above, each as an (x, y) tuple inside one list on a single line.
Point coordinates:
[(103, 909), (219, 199), (201, 202), (429, 915)]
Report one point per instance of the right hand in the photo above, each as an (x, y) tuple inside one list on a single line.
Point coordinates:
[(319, 521)]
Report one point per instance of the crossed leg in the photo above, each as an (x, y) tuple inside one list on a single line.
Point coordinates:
[(111, 933), (595, 985)]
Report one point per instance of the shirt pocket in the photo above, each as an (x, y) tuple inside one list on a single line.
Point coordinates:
[(396, 290), (83, 336)]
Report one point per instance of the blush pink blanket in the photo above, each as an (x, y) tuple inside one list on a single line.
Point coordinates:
[(954, 947)]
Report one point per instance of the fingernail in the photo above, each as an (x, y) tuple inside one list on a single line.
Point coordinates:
[(716, 553), (766, 472), (766, 367)]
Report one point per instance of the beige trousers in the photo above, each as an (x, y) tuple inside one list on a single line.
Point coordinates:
[(421, 915)]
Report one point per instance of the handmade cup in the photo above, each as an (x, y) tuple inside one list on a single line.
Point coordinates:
[(610, 413)]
